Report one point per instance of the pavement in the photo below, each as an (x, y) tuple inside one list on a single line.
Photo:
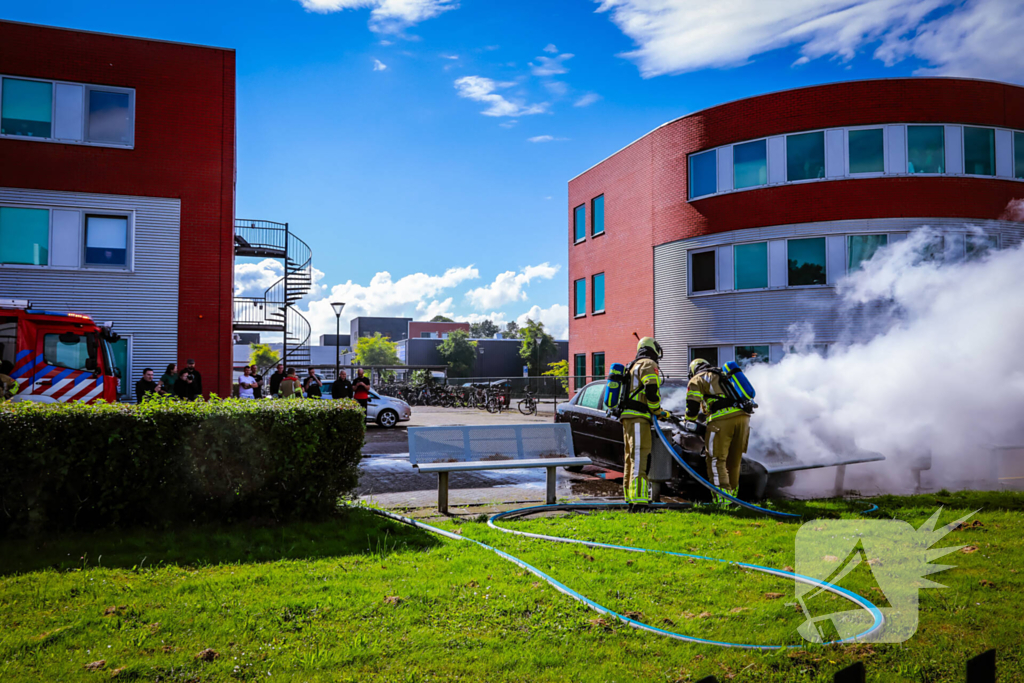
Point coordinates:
[(386, 478)]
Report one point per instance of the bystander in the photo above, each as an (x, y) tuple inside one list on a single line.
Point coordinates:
[(145, 387)]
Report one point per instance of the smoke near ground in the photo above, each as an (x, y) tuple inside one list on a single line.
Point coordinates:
[(930, 369)]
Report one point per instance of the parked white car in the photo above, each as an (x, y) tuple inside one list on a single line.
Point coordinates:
[(386, 411)]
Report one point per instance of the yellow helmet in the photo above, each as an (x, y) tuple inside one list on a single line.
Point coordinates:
[(649, 343), (697, 365)]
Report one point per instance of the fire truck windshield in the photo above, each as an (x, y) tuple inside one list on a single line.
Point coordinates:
[(69, 350)]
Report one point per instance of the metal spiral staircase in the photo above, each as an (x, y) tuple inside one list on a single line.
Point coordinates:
[(276, 310)]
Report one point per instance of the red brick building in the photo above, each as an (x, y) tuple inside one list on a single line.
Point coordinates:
[(117, 156), (715, 232)]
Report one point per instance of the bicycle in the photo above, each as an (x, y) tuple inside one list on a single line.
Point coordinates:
[(528, 405)]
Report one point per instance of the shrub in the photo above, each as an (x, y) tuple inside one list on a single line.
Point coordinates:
[(76, 466)]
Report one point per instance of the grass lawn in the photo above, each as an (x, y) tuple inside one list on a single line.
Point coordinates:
[(361, 598)]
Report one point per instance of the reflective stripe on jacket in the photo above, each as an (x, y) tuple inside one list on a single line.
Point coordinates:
[(705, 389), (645, 388)]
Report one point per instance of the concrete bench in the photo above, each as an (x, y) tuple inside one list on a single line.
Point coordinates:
[(486, 447)]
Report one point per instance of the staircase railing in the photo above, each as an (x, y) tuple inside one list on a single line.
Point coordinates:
[(277, 307)]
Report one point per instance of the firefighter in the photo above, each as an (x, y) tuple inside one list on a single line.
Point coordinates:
[(640, 407), (728, 426), (8, 385)]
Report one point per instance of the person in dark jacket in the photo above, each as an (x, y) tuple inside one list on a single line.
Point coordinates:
[(312, 384), (183, 386), (145, 386), (275, 380), (197, 378), (257, 391), (342, 387)]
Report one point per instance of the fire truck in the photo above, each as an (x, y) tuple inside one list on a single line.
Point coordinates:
[(57, 357)]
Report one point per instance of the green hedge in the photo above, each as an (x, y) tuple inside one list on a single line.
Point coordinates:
[(74, 466)]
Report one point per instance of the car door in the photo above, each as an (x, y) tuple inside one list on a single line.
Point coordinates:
[(591, 424), (373, 407)]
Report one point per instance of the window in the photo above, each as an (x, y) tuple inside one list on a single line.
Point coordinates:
[(117, 354), (580, 370), (598, 292), (750, 164), (597, 364), (426, 335), (703, 174), (867, 151), (580, 296), (109, 117), (27, 108), (597, 215), (926, 149), (977, 246), (591, 398), (579, 223), (748, 355), (934, 249), (751, 265), (106, 241), (708, 353), (60, 351), (702, 272), (24, 236), (979, 151), (861, 248), (806, 259), (1018, 155), (808, 349), (805, 156)]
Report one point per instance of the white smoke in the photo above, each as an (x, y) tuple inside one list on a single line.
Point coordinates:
[(929, 369)]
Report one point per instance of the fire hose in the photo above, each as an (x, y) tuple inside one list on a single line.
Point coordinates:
[(863, 603)]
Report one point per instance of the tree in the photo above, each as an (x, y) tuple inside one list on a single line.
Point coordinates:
[(560, 368), (263, 357), (376, 350), (458, 353), (512, 330), (441, 319), (538, 346), (485, 329)]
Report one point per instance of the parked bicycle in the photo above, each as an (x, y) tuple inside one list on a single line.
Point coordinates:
[(528, 405)]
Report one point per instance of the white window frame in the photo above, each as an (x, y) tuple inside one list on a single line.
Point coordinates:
[(768, 344), (767, 167), (824, 156), (689, 173), (768, 266), (827, 264), (689, 271), (963, 151), (846, 152), (86, 89), (129, 266), (82, 213), (945, 157)]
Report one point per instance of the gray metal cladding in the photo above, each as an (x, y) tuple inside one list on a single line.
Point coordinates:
[(142, 303), (728, 318)]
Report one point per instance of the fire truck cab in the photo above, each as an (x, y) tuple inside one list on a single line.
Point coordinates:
[(56, 357)]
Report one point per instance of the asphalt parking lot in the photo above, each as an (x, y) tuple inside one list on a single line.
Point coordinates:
[(386, 477)]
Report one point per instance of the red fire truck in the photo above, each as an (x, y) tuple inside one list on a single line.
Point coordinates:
[(56, 357)]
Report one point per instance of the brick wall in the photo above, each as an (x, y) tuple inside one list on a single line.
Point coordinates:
[(416, 328), (184, 148), (645, 187)]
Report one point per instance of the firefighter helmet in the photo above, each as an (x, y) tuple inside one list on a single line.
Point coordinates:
[(649, 343), (697, 365)]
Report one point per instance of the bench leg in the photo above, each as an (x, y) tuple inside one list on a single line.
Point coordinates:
[(551, 485), (442, 492)]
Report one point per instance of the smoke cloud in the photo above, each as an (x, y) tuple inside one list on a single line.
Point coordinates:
[(928, 372)]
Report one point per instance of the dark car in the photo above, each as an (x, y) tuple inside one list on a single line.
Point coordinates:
[(599, 437)]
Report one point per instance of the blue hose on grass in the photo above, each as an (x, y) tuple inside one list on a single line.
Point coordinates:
[(876, 614)]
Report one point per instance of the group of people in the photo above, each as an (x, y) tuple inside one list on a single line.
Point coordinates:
[(728, 424), (186, 384), (284, 383)]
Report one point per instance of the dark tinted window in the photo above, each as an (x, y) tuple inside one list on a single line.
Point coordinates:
[(597, 215), (703, 268), (926, 150), (867, 153), (597, 364), (805, 156), (708, 353), (806, 261), (580, 368), (579, 222), (979, 151)]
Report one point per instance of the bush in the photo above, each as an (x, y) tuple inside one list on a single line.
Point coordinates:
[(75, 466)]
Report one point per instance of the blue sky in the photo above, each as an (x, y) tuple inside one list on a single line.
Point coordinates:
[(423, 147)]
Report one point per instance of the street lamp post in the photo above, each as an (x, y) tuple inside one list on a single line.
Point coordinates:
[(337, 306)]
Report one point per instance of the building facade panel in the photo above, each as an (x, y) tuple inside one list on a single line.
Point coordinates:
[(828, 201), (183, 149)]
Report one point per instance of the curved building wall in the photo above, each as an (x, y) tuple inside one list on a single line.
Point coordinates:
[(646, 203)]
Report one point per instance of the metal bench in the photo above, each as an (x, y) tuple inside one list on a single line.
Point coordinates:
[(485, 447)]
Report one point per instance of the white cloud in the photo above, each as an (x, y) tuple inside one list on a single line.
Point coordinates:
[(480, 89), (587, 100), (508, 286), (449, 56), (970, 38), (545, 138), (499, 319), (550, 66), (386, 16), (557, 88), (555, 319), (253, 279), (551, 48), (508, 124), (426, 311), (379, 65)]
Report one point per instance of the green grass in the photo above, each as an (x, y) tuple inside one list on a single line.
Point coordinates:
[(307, 602)]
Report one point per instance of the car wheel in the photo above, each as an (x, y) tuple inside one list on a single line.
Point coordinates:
[(387, 418)]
